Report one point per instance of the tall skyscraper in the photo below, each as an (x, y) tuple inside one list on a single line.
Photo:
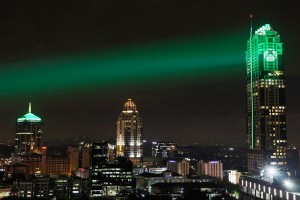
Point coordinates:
[(266, 106), (130, 133), (29, 131)]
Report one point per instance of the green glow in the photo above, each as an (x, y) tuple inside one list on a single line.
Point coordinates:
[(29, 117), (263, 46), (205, 58)]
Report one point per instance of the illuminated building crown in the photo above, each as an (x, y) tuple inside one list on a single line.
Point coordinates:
[(29, 117), (129, 106)]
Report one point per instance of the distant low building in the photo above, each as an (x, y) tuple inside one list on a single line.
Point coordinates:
[(203, 190), (149, 169), (45, 187), (145, 180), (163, 149), (179, 165)]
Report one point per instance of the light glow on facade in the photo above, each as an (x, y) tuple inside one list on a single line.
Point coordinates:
[(29, 131), (130, 133), (266, 120)]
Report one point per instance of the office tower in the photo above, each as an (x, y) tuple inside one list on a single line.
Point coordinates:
[(109, 178), (266, 107), (163, 149), (29, 131), (130, 133), (210, 168), (180, 166)]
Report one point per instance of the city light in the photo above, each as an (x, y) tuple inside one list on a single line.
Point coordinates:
[(272, 171), (288, 184)]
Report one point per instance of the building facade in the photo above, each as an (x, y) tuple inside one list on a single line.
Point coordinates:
[(210, 168), (29, 132), (254, 189), (130, 133), (266, 106), (180, 166), (234, 176), (145, 180), (109, 175)]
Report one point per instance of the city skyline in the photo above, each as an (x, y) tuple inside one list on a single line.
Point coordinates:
[(199, 101)]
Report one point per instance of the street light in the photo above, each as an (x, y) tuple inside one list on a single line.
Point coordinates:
[(288, 184)]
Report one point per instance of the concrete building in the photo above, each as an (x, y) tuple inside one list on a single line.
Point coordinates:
[(210, 168), (180, 166)]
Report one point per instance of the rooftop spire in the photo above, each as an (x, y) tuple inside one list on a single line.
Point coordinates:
[(29, 108), (251, 25)]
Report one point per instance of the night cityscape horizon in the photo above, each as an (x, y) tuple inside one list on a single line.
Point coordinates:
[(149, 100), (196, 89)]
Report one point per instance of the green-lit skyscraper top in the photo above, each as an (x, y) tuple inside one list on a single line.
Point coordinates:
[(29, 131), (266, 106), (29, 117)]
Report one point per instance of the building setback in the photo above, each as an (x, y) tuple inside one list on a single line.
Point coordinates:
[(266, 106)]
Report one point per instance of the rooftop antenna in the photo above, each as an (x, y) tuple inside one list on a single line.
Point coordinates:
[(29, 108), (251, 19)]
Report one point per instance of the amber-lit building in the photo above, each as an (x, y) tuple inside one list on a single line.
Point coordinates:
[(180, 166), (210, 168), (130, 133)]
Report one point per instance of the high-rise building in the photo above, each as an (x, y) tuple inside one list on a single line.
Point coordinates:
[(109, 176), (210, 168), (29, 132), (266, 106), (180, 166), (130, 133)]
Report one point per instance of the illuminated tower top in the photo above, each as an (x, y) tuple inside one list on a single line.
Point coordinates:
[(129, 106), (29, 117)]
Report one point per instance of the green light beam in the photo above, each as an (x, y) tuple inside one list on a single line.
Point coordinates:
[(117, 67)]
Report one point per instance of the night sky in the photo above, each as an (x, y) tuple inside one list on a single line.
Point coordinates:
[(182, 63)]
